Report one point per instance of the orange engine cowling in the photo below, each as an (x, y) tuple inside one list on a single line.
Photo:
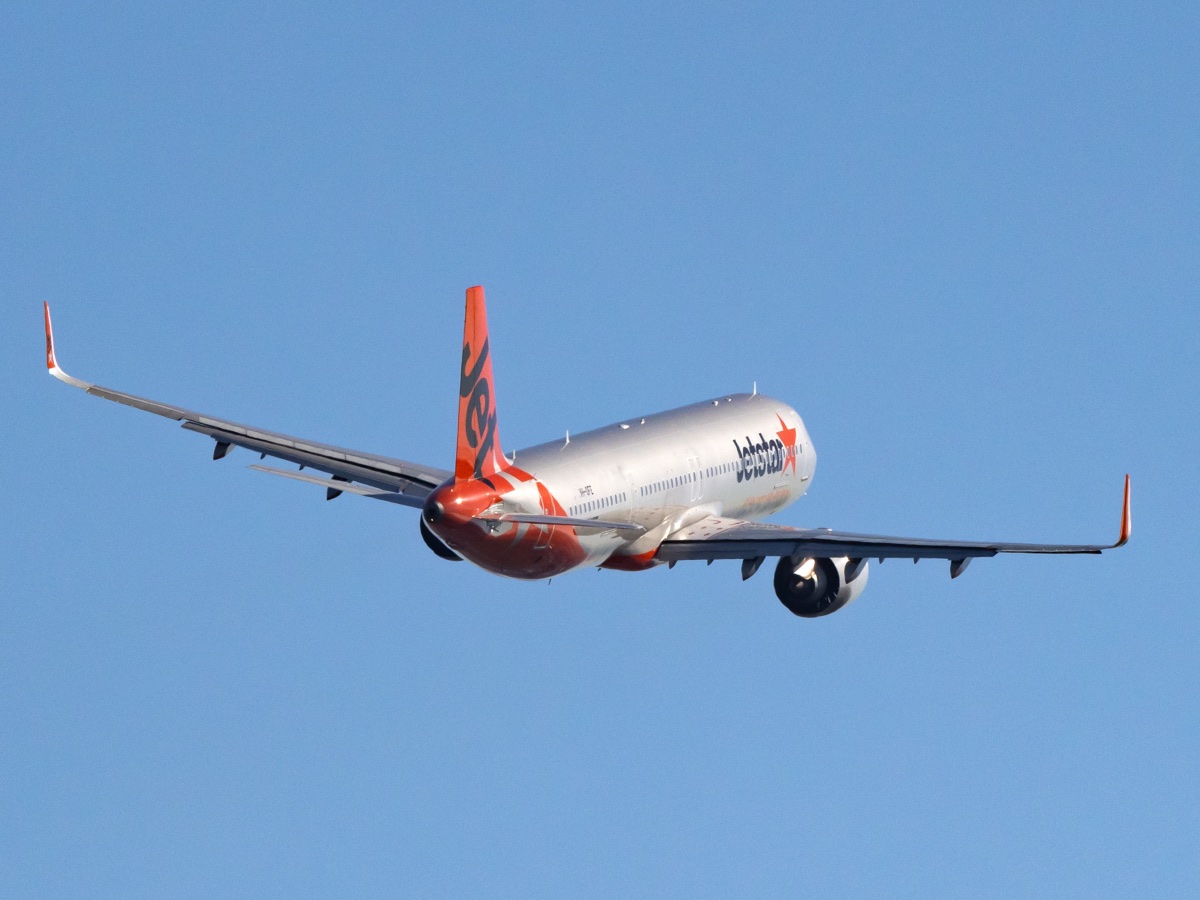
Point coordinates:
[(812, 587)]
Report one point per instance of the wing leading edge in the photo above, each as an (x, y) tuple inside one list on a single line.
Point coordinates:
[(396, 480), (717, 538)]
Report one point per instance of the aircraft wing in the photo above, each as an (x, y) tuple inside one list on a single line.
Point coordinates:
[(397, 480), (721, 538)]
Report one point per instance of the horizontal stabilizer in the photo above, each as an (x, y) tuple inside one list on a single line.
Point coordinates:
[(566, 521), (330, 484)]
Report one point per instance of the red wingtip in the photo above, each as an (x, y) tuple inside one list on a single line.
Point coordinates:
[(1126, 525), (50, 361)]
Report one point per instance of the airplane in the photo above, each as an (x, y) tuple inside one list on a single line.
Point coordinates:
[(691, 483)]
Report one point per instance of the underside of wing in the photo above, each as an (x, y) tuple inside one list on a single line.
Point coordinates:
[(397, 480), (718, 538)]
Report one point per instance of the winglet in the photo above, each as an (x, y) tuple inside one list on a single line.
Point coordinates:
[(1126, 525), (50, 363), (52, 360)]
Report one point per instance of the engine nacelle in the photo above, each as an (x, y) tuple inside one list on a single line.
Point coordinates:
[(817, 587), (434, 543)]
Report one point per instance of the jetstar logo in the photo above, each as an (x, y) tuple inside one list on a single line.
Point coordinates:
[(479, 420), (788, 437), (767, 457)]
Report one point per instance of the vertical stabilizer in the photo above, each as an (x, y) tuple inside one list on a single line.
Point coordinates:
[(478, 454)]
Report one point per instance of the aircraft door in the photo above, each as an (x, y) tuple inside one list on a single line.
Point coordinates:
[(695, 479)]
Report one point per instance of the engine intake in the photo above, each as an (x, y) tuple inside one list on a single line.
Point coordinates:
[(813, 587)]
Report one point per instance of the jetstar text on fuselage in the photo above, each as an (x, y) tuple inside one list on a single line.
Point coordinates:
[(764, 457)]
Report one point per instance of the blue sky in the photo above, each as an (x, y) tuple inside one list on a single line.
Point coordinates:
[(960, 239)]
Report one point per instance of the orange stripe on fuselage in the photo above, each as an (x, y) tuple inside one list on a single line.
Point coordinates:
[(516, 550), (638, 562)]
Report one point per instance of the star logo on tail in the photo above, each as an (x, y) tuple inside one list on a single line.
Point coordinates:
[(788, 437)]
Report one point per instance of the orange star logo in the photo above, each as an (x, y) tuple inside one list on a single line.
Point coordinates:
[(788, 436)]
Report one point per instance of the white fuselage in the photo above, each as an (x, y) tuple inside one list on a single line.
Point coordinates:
[(744, 456)]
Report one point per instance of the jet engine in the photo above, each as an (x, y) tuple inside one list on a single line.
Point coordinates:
[(811, 587), (434, 543)]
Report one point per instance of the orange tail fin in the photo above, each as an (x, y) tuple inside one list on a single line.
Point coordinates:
[(478, 454)]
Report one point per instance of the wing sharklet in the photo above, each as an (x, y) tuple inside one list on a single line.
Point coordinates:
[(1126, 522), (52, 358)]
